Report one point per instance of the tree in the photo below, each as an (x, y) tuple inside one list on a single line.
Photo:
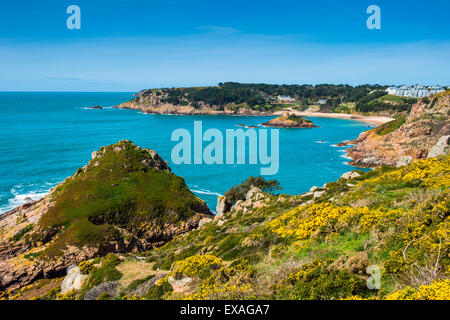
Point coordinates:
[(238, 192)]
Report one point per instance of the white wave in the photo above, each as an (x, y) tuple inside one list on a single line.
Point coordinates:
[(345, 156), (320, 141), (21, 198), (207, 192)]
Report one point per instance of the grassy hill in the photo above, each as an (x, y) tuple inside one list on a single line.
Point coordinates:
[(388, 227)]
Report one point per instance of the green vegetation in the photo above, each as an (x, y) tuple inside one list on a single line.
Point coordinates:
[(22, 232), (298, 119), (394, 219), (379, 101), (122, 189), (259, 96), (238, 192), (105, 272), (391, 126)]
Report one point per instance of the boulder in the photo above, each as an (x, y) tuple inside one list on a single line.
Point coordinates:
[(313, 188), (204, 221), (223, 206), (143, 288), (442, 147), (404, 161), (318, 194), (110, 288), (350, 175), (253, 194), (182, 285), (74, 280)]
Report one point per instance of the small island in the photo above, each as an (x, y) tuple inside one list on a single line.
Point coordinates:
[(290, 121), (96, 107)]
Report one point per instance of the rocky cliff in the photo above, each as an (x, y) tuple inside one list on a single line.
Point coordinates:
[(157, 101), (412, 135), (125, 200)]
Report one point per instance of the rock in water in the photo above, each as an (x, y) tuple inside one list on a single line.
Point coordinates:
[(441, 148), (289, 121), (125, 200)]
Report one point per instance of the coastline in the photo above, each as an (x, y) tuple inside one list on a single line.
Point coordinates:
[(172, 110), (377, 120)]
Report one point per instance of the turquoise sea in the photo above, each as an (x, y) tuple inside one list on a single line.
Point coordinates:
[(46, 136)]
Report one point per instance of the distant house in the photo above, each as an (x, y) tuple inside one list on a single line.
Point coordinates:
[(285, 99), (416, 91), (322, 101)]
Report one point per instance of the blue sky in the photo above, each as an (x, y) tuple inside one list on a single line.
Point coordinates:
[(135, 44)]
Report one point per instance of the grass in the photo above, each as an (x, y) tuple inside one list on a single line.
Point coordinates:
[(390, 126), (117, 190)]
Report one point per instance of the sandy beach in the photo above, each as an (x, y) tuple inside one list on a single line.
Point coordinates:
[(377, 120)]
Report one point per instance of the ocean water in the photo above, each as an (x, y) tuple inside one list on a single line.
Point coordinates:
[(46, 136)]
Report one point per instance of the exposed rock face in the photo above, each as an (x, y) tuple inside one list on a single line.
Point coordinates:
[(223, 206), (110, 288), (143, 288), (441, 148), (254, 198), (423, 127), (153, 103), (74, 280), (350, 175), (404, 161), (181, 286), (289, 122), (125, 200)]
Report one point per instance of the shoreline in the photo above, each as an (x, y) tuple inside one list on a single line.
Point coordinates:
[(377, 120), (374, 120)]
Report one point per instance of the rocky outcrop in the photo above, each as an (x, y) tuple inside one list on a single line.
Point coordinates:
[(441, 148), (254, 199), (223, 206), (74, 280), (350, 175), (289, 121), (143, 288), (427, 122), (109, 289), (125, 200), (404, 161), (154, 102)]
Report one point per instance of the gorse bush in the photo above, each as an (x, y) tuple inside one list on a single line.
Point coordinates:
[(196, 266), (319, 281)]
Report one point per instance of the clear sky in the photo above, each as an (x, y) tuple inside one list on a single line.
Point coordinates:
[(135, 44)]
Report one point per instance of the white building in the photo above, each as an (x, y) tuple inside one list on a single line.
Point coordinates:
[(285, 99), (416, 91)]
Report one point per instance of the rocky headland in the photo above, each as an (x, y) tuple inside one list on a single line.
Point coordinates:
[(156, 102), (125, 200), (412, 135)]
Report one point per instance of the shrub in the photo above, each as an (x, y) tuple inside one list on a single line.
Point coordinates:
[(86, 267), (196, 266), (317, 281), (159, 290), (438, 290), (238, 192)]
